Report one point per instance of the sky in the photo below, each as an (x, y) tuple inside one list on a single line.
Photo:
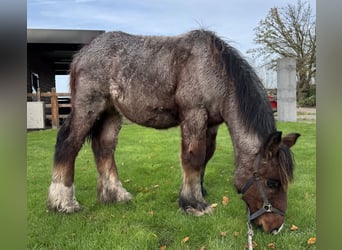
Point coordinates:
[(233, 20)]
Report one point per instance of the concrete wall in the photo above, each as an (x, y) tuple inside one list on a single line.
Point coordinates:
[(35, 115), (286, 93)]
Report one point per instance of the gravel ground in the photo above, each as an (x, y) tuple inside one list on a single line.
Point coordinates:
[(305, 114)]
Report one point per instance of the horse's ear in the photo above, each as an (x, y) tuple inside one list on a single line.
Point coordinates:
[(272, 143), (290, 139)]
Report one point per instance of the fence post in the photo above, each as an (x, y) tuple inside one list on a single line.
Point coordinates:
[(38, 95), (54, 109)]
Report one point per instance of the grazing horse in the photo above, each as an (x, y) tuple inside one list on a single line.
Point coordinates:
[(195, 80)]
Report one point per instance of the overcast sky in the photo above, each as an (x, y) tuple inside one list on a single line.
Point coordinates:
[(233, 20)]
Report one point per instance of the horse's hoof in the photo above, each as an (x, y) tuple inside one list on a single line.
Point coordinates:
[(199, 212), (124, 197), (71, 207), (61, 198), (117, 194)]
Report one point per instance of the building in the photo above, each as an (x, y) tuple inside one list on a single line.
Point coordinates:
[(49, 53)]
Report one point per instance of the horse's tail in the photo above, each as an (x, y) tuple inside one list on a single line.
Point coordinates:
[(72, 81)]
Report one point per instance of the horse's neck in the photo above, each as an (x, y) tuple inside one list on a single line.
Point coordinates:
[(246, 144), (246, 147)]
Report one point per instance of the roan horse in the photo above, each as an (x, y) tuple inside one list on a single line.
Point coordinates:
[(195, 80)]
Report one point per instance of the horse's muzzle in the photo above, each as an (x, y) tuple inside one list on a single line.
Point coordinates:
[(270, 223)]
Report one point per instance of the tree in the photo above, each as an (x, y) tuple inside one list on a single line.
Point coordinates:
[(289, 32)]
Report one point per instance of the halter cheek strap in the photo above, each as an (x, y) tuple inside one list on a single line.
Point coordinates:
[(267, 206)]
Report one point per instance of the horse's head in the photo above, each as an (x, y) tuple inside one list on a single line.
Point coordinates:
[(264, 189)]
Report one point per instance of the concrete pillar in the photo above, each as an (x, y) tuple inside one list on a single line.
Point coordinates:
[(286, 89)]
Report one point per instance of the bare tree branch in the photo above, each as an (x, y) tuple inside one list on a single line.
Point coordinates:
[(289, 32)]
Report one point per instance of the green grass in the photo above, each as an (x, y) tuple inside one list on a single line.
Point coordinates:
[(148, 162)]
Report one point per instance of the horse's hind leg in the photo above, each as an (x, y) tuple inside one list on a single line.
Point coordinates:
[(194, 127), (70, 139), (104, 137)]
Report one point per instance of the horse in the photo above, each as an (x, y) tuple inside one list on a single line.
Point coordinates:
[(196, 81)]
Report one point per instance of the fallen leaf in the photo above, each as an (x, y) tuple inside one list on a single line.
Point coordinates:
[(236, 234), (294, 228), (126, 181), (213, 205), (311, 240), (163, 247), (186, 239), (225, 200), (155, 186), (271, 245), (202, 248), (223, 234)]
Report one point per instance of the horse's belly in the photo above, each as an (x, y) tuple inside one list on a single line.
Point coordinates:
[(153, 117), (162, 114), (145, 106)]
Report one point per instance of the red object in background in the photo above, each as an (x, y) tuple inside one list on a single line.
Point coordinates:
[(273, 102)]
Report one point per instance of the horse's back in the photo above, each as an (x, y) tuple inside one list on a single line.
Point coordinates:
[(150, 79)]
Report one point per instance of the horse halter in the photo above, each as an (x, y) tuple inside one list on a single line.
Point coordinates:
[(267, 206)]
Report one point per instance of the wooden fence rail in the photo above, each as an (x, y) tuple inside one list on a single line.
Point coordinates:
[(53, 105)]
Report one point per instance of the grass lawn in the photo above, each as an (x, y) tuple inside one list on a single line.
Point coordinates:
[(148, 162)]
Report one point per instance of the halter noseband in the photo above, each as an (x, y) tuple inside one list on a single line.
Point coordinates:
[(267, 206)]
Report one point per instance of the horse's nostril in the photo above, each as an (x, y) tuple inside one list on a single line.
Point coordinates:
[(277, 230)]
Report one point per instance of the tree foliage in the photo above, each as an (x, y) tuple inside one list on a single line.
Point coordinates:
[(289, 32)]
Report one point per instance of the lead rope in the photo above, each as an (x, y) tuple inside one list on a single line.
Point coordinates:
[(250, 233), (250, 236)]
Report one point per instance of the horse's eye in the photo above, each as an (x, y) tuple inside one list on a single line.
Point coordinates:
[(274, 184)]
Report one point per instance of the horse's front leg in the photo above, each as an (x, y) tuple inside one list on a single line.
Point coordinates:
[(193, 156), (210, 149)]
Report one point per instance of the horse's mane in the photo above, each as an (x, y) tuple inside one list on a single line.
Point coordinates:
[(286, 165), (254, 109)]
